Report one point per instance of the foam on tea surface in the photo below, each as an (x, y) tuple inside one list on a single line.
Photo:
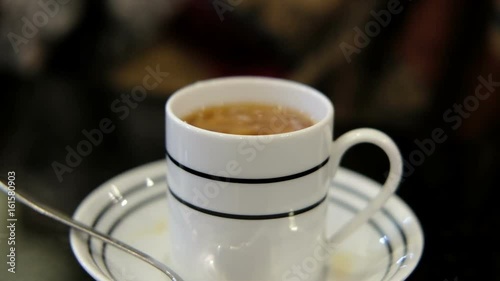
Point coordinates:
[(249, 119)]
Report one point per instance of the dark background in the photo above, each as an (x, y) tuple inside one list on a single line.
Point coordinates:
[(424, 62)]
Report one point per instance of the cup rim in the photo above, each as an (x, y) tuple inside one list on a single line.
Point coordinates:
[(255, 79)]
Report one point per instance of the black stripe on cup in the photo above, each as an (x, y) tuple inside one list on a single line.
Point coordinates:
[(247, 217), (248, 181)]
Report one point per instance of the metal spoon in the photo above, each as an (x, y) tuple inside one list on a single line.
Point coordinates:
[(64, 219)]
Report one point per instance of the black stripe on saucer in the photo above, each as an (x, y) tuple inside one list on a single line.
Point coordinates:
[(136, 189), (247, 217), (248, 181)]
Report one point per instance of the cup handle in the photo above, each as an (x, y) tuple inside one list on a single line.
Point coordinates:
[(339, 147)]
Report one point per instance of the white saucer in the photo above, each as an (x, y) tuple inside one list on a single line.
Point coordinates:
[(132, 207)]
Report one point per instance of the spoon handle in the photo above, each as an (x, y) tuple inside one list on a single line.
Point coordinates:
[(64, 219)]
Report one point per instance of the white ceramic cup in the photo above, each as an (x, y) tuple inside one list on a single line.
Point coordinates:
[(252, 208)]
